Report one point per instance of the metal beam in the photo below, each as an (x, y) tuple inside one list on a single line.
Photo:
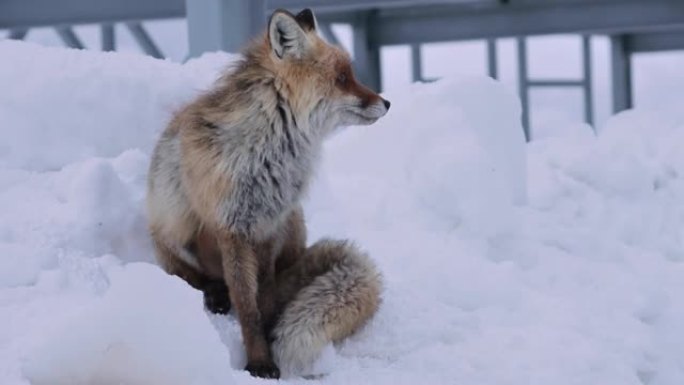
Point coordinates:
[(108, 37), (366, 50), (655, 41), (329, 6), (524, 87), (398, 21), (492, 59), (483, 18), (587, 83), (335, 6), (34, 13), (555, 83), (29, 13), (430, 24), (416, 63), (622, 74)]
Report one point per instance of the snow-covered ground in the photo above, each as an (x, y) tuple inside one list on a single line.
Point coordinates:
[(559, 262)]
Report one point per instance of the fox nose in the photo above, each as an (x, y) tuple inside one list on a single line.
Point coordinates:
[(386, 103)]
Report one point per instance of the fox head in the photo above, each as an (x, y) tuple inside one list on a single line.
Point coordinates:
[(317, 77)]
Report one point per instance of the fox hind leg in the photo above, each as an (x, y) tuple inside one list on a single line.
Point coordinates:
[(215, 291)]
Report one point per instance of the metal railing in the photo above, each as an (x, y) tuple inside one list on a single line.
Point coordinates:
[(633, 25), (71, 39)]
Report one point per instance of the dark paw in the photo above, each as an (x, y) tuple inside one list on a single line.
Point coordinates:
[(263, 370), (216, 298)]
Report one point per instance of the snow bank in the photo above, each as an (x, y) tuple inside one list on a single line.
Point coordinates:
[(62, 113), (557, 262), (81, 104), (147, 330), (92, 207), (451, 154)]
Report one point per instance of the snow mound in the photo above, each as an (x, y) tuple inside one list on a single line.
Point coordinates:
[(90, 104), (92, 207), (448, 161), (146, 330)]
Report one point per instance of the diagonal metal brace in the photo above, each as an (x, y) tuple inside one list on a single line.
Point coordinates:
[(144, 40), (69, 37)]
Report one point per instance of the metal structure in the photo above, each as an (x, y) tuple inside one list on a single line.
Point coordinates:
[(633, 25), (525, 83), (108, 38)]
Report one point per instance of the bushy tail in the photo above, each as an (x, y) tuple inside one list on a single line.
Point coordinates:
[(334, 289)]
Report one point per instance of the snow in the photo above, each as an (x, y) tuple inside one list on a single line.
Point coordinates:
[(557, 262), (133, 108), (134, 335)]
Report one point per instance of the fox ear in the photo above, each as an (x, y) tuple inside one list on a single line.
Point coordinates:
[(307, 20), (286, 35)]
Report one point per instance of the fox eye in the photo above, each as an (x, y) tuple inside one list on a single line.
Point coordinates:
[(342, 78)]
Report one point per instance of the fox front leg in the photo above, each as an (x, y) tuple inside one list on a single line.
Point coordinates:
[(241, 273), (216, 298)]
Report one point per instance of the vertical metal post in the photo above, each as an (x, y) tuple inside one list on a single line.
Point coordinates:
[(416, 63), (524, 88), (226, 25), (366, 50), (622, 73), (492, 59), (587, 83), (108, 37), (257, 17)]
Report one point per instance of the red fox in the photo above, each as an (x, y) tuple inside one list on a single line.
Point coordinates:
[(224, 190)]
